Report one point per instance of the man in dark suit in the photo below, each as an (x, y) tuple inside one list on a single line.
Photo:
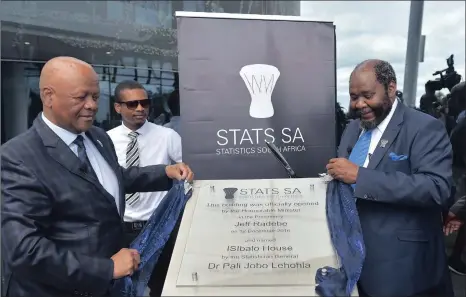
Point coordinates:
[(63, 194), (454, 223), (457, 215), (398, 161)]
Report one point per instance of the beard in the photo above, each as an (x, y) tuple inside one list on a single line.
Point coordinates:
[(380, 110)]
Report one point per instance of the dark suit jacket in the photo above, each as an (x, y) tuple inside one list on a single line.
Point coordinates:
[(59, 226), (400, 204)]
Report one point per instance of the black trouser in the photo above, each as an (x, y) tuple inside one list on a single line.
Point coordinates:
[(159, 273)]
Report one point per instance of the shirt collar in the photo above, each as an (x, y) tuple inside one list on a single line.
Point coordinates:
[(65, 135), (141, 131), (383, 125)]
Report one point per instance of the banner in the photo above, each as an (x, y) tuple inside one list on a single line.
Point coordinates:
[(248, 79)]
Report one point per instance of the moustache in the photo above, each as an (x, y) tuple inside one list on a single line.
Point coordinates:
[(358, 113)]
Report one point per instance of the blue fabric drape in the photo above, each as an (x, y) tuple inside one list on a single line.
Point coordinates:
[(151, 241), (346, 235)]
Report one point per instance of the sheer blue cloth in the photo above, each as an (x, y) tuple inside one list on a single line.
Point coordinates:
[(346, 235), (151, 241)]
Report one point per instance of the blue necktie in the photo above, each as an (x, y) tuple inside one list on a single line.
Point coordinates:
[(361, 149)]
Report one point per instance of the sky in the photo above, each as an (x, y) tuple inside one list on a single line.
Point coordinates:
[(379, 29)]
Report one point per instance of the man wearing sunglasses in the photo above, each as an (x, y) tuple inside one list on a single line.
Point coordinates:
[(142, 143)]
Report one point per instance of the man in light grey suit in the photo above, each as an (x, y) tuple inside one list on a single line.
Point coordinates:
[(398, 161), (63, 194)]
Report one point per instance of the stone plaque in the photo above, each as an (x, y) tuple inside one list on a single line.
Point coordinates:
[(257, 232), (251, 237)]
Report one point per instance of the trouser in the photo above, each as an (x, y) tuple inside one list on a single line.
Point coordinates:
[(159, 273)]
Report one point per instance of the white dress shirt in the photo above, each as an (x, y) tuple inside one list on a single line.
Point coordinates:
[(156, 145), (104, 172), (378, 132)]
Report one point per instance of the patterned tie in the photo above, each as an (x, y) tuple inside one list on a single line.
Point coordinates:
[(361, 149), (132, 159), (85, 163)]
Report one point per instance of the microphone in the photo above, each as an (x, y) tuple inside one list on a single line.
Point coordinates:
[(281, 159), (349, 150)]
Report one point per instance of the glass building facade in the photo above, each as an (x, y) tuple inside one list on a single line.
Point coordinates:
[(121, 39)]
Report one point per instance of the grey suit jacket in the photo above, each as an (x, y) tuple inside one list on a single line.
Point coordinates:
[(59, 226), (400, 204), (459, 208)]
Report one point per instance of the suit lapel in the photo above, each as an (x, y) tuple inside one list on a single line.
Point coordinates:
[(59, 151), (102, 150), (106, 154), (389, 135)]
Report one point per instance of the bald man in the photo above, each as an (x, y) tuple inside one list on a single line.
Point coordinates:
[(398, 161), (63, 194)]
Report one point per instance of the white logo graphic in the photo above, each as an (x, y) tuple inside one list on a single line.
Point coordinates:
[(260, 79)]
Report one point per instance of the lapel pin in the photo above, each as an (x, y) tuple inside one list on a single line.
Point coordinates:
[(98, 141), (383, 143)]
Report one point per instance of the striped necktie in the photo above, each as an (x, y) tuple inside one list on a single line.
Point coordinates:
[(361, 149), (132, 159)]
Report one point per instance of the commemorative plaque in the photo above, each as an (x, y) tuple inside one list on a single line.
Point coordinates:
[(251, 237)]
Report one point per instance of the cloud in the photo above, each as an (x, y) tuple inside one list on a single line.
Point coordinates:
[(379, 30)]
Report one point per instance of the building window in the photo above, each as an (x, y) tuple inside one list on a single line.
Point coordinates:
[(121, 39)]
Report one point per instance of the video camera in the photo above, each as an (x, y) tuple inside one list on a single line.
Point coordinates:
[(448, 77)]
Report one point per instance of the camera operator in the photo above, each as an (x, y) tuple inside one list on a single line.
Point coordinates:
[(429, 102), (448, 79)]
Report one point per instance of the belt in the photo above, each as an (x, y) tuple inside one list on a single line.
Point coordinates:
[(135, 226)]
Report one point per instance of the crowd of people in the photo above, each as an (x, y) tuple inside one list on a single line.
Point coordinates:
[(450, 110)]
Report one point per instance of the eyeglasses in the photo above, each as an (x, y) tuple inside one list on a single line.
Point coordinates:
[(145, 103)]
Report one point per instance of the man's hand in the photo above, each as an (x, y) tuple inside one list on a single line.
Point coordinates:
[(343, 170), (125, 262), (452, 224), (179, 171)]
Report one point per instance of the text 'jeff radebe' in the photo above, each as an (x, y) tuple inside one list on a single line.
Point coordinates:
[(252, 140)]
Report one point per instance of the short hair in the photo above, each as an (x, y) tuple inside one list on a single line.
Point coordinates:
[(384, 72), (459, 89), (127, 85), (458, 95)]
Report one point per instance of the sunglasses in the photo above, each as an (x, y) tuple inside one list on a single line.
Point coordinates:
[(145, 103)]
